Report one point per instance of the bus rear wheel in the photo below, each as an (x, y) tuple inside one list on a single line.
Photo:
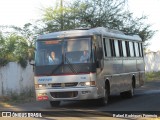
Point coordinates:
[(55, 103)]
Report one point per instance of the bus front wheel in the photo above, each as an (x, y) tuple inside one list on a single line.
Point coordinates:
[(55, 103), (104, 100)]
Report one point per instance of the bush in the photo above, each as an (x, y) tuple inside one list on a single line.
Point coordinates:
[(23, 62), (152, 76), (3, 62)]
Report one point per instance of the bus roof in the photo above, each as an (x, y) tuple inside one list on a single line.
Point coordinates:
[(88, 32)]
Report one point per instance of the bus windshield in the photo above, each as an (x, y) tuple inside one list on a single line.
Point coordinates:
[(77, 50), (48, 52), (67, 51)]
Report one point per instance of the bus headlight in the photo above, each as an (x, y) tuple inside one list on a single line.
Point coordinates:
[(89, 83), (40, 85)]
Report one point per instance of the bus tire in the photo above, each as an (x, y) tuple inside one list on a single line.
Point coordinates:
[(128, 94), (103, 101), (55, 103)]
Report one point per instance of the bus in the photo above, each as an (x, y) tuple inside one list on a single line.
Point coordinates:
[(113, 63)]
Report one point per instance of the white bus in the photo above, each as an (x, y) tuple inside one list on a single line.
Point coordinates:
[(113, 63)]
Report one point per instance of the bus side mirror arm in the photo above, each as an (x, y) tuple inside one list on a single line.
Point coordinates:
[(31, 62), (97, 64)]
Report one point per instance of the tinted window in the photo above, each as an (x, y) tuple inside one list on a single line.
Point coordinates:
[(112, 48), (136, 49), (116, 48), (142, 49), (124, 49), (120, 48), (127, 48), (104, 43), (108, 47), (131, 49)]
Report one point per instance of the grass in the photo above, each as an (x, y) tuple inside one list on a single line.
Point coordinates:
[(150, 76), (14, 98)]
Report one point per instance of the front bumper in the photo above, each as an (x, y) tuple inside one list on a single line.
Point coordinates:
[(67, 94)]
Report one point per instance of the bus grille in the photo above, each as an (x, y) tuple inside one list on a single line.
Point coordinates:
[(64, 94), (71, 84)]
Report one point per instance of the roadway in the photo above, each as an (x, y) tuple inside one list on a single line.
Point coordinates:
[(144, 104)]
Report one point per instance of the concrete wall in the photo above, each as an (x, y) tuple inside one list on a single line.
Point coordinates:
[(15, 79), (152, 61)]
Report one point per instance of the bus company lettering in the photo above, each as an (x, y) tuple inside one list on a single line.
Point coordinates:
[(44, 79), (83, 77)]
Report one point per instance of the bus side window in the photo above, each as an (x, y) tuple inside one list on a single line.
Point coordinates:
[(113, 54), (142, 48), (139, 50), (108, 47), (131, 49), (104, 44), (116, 48), (120, 48), (124, 49), (136, 49), (127, 48)]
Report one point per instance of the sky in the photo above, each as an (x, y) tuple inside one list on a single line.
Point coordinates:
[(19, 12), (151, 8)]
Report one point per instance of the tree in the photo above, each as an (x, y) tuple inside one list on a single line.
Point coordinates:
[(58, 18), (15, 49), (17, 44), (28, 35), (97, 13), (3, 60)]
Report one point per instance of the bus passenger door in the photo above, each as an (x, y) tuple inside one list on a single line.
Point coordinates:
[(98, 59)]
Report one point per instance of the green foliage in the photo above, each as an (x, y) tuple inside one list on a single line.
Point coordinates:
[(3, 62), (96, 13), (15, 49), (17, 45), (152, 76), (23, 62)]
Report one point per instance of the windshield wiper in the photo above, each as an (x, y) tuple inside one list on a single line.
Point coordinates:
[(70, 65), (55, 69), (62, 63)]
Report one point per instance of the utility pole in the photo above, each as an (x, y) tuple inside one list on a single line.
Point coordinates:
[(61, 8)]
